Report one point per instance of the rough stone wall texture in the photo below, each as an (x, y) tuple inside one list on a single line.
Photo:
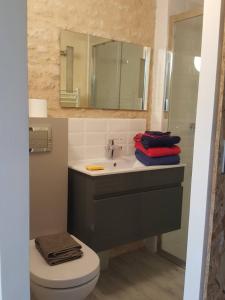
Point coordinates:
[(127, 20), (215, 270)]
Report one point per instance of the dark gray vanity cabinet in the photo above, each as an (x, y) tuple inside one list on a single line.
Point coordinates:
[(111, 210)]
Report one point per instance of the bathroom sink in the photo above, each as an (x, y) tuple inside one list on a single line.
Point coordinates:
[(117, 164), (122, 165)]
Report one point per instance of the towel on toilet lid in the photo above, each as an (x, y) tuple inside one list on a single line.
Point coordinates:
[(58, 248)]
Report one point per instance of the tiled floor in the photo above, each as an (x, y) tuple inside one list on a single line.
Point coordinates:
[(140, 276)]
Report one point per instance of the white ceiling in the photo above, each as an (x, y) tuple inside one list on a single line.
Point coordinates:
[(179, 6)]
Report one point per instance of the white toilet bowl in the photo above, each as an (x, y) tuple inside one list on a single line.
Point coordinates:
[(72, 280)]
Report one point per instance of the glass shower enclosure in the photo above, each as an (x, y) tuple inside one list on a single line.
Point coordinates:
[(180, 109)]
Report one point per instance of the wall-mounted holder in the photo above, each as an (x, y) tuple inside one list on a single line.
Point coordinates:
[(40, 139)]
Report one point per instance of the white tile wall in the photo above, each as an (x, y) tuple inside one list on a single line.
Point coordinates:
[(88, 137)]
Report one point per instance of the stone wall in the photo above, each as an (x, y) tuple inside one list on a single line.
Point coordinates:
[(215, 269), (127, 20)]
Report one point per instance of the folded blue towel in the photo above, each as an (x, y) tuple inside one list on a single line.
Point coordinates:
[(155, 161), (153, 141), (157, 133)]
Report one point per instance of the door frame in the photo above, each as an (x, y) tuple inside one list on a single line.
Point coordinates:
[(205, 133), (14, 154)]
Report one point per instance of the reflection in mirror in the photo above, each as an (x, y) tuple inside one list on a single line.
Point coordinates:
[(101, 73)]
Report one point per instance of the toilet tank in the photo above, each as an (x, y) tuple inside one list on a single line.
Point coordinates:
[(48, 180)]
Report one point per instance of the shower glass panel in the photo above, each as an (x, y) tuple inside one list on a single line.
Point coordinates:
[(132, 77), (106, 85), (120, 76), (183, 96)]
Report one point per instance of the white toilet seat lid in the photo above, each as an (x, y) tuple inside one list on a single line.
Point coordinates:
[(67, 275)]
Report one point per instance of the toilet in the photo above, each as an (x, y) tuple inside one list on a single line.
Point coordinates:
[(73, 280)]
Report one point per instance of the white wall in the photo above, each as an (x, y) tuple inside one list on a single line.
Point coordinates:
[(13, 152), (89, 137), (159, 58), (190, 4), (177, 6)]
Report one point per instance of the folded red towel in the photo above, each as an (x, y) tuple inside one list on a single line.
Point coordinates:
[(159, 151), (138, 137)]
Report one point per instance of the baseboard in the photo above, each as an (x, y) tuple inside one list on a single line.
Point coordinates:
[(177, 261)]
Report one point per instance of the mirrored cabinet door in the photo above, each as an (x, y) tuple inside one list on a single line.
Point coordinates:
[(102, 73)]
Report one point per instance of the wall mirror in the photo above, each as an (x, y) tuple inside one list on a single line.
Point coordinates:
[(101, 73)]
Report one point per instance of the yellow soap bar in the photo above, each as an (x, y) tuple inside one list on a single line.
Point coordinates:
[(94, 168)]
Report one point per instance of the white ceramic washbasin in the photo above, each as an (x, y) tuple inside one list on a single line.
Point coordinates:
[(122, 165), (117, 164)]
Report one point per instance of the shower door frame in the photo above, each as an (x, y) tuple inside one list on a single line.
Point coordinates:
[(179, 18)]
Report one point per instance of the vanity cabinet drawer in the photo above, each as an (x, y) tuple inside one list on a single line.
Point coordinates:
[(161, 211), (116, 221), (131, 217), (137, 181)]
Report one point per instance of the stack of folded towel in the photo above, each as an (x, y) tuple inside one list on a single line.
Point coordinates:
[(58, 248), (157, 148)]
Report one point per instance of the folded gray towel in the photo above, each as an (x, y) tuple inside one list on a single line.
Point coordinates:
[(58, 248)]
